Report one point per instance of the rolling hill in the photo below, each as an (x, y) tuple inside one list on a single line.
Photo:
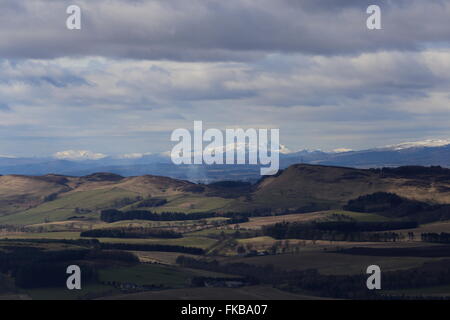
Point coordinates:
[(30, 199), (299, 188)]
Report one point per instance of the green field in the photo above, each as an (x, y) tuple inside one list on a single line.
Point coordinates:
[(147, 275), (152, 274), (189, 203)]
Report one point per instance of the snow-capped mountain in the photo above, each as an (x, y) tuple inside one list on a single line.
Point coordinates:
[(419, 144), (78, 155), (82, 162), (424, 153)]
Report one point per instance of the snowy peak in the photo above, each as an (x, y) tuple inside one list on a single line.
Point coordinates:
[(419, 144), (77, 155)]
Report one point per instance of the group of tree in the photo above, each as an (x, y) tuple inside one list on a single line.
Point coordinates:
[(46, 274), (414, 172), (338, 231), (113, 215), (442, 237), (399, 252), (151, 202), (337, 286), (237, 220), (151, 247), (34, 267), (392, 205)]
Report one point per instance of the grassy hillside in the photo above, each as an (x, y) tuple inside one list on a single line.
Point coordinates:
[(81, 203), (330, 187), (35, 200), (19, 193)]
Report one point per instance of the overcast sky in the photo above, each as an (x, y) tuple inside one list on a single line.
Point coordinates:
[(139, 69)]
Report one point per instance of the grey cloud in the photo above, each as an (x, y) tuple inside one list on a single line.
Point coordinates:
[(213, 30), (307, 67)]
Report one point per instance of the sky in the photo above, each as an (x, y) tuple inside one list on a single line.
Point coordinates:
[(139, 69)]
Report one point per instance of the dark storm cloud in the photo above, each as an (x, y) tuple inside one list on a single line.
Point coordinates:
[(212, 30)]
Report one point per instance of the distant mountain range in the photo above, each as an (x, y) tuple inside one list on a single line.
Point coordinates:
[(80, 163), (424, 153)]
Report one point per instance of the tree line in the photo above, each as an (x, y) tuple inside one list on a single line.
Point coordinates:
[(442, 237), (337, 230), (151, 247), (114, 215), (392, 205), (131, 232)]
